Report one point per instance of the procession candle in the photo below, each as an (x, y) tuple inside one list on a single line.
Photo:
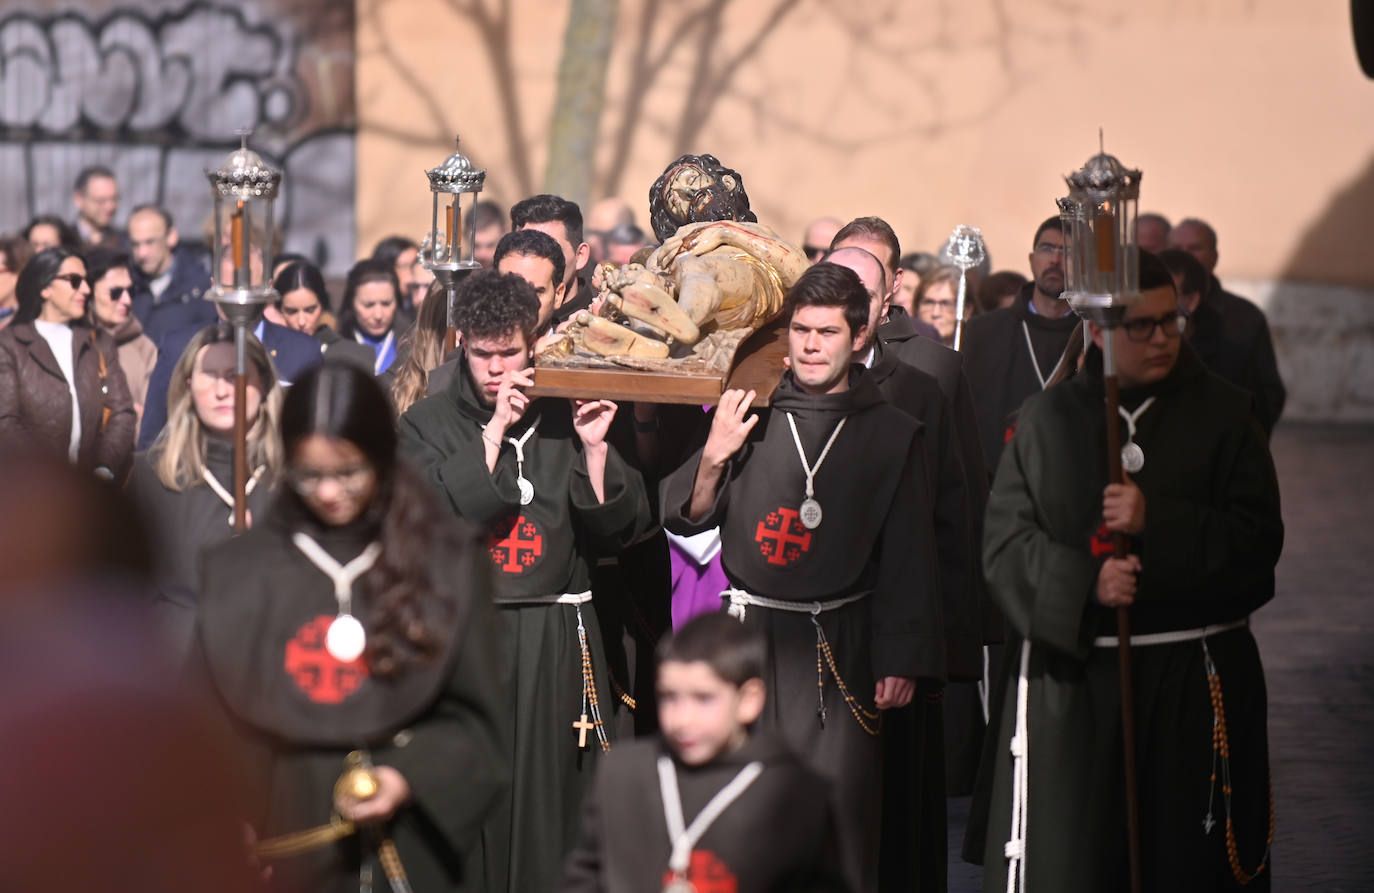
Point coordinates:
[(1104, 228), (456, 218), (236, 241), (245, 269), (448, 225)]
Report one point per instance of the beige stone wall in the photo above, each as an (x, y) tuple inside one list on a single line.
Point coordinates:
[(1252, 114), (1249, 113)]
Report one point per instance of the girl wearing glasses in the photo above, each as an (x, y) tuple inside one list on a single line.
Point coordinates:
[(353, 629), (111, 309), (184, 482), (61, 385)]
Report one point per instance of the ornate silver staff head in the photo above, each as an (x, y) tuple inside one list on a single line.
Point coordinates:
[(966, 250), (454, 186), (1101, 253), (244, 189)]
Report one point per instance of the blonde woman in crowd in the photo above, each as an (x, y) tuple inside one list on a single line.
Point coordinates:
[(184, 482)]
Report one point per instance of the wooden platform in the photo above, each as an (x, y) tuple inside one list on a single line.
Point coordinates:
[(758, 366)]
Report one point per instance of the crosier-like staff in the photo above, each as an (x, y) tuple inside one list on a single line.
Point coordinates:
[(965, 250)]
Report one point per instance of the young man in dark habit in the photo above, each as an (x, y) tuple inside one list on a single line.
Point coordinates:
[(553, 495), (826, 540), (1201, 511)]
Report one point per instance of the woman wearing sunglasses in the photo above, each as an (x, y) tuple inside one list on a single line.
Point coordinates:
[(352, 630), (61, 385), (184, 482), (111, 309)]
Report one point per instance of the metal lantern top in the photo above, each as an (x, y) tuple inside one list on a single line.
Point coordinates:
[(244, 189), (456, 174), (243, 175), (1103, 178), (1101, 252)]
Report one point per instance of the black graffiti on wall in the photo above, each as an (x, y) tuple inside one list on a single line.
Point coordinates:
[(159, 98)]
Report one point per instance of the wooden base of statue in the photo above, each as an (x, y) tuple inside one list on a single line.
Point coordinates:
[(757, 366)]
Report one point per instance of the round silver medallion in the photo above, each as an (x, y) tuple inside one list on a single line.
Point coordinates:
[(1132, 457), (345, 639), (526, 490), (810, 514)]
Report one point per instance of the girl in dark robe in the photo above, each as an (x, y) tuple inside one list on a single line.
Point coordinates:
[(354, 627), (184, 482)]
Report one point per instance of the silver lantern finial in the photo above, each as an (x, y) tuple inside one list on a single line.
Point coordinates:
[(1101, 263), (454, 185)]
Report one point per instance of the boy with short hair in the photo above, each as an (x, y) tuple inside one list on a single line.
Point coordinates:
[(707, 806)]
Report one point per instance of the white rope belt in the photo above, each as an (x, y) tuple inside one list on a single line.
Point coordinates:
[(1178, 635), (739, 600), (1015, 848), (567, 598), (868, 720)]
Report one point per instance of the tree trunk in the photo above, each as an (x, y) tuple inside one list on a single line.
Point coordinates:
[(581, 95)]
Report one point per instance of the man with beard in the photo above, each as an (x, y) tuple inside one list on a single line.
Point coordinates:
[(1011, 353), (553, 495), (847, 595)]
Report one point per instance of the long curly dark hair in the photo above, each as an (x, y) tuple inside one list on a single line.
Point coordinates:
[(406, 610), (724, 199)]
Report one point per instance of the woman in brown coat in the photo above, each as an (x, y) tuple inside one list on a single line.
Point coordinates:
[(61, 386), (111, 308)]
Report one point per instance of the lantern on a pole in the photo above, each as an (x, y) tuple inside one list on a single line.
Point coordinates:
[(454, 186), (1101, 282), (244, 190), (966, 250)]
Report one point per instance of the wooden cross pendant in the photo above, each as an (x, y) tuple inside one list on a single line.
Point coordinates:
[(583, 727)]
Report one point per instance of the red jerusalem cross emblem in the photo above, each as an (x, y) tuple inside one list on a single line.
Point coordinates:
[(515, 544), (707, 874), (320, 675), (781, 537)]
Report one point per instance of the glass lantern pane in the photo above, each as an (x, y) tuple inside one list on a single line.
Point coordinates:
[(243, 243)]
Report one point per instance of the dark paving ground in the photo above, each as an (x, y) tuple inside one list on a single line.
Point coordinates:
[(1317, 642)]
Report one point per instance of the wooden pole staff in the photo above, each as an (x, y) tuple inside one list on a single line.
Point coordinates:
[(1106, 267), (240, 429)]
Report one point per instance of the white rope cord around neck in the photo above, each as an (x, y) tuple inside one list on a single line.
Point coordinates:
[(1131, 417), (810, 470), (684, 839), (224, 494), (519, 444), (1030, 349), (343, 575)]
